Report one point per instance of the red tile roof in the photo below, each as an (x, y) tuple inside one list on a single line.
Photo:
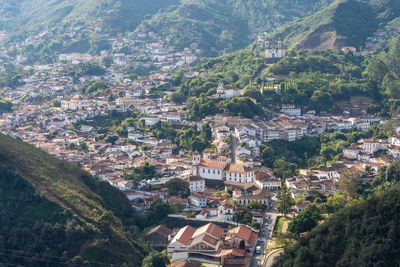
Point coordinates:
[(244, 233), (213, 164), (161, 229)]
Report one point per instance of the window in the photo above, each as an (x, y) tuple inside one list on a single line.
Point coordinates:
[(208, 170)]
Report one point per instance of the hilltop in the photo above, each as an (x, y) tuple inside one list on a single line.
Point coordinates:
[(343, 23), (53, 213)]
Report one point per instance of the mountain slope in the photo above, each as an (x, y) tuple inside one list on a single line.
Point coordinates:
[(222, 24), (226, 24), (34, 15), (365, 234), (55, 212), (345, 22)]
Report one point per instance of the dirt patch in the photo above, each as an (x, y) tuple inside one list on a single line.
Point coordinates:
[(285, 226), (356, 105), (323, 37)]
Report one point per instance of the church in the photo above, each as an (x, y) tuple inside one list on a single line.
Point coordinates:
[(274, 50), (219, 170)]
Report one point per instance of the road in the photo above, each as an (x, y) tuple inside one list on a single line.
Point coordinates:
[(265, 234)]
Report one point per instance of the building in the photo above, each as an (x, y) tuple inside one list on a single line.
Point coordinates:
[(158, 237), (201, 244), (196, 184), (227, 93), (238, 173), (242, 237), (274, 50), (291, 110), (261, 196)]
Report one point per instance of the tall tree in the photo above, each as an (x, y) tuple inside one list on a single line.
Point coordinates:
[(285, 200)]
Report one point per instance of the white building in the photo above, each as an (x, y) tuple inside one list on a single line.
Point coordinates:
[(196, 184)]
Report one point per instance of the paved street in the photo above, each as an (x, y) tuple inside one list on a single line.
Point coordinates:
[(266, 231)]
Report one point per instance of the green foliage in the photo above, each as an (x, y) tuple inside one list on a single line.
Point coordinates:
[(96, 87), (155, 259), (5, 106), (364, 234), (177, 187), (242, 106), (144, 172), (52, 208), (284, 169), (305, 221), (284, 200), (345, 22), (158, 212)]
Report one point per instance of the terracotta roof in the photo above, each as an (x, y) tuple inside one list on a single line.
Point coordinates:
[(211, 229), (185, 234), (161, 229), (213, 164), (244, 233), (233, 251), (239, 168)]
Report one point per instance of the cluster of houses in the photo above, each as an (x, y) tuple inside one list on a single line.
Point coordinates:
[(207, 244)]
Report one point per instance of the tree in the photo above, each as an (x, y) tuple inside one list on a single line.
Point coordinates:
[(350, 183), (177, 187), (255, 205), (305, 221), (158, 211), (284, 169), (393, 172), (267, 156), (155, 259), (285, 200)]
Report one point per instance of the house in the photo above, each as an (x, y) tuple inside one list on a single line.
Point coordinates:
[(242, 237), (158, 237), (201, 244), (291, 110), (238, 173), (196, 184), (300, 207), (371, 145), (199, 199), (267, 181), (261, 196), (226, 211), (235, 257)]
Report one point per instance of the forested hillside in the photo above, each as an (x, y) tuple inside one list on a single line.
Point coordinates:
[(215, 25), (344, 23), (23, 16), (365, 234), (52, 213)]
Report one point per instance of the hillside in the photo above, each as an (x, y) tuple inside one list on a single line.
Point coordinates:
[(365, 234), (343, 23), (226, 24), (223, 25), (53, 213), (34, 15)]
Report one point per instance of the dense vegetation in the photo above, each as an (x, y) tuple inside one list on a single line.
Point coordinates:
[(345, 22), (53, 212), (222, 25), (364, 234), (225, 25)]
